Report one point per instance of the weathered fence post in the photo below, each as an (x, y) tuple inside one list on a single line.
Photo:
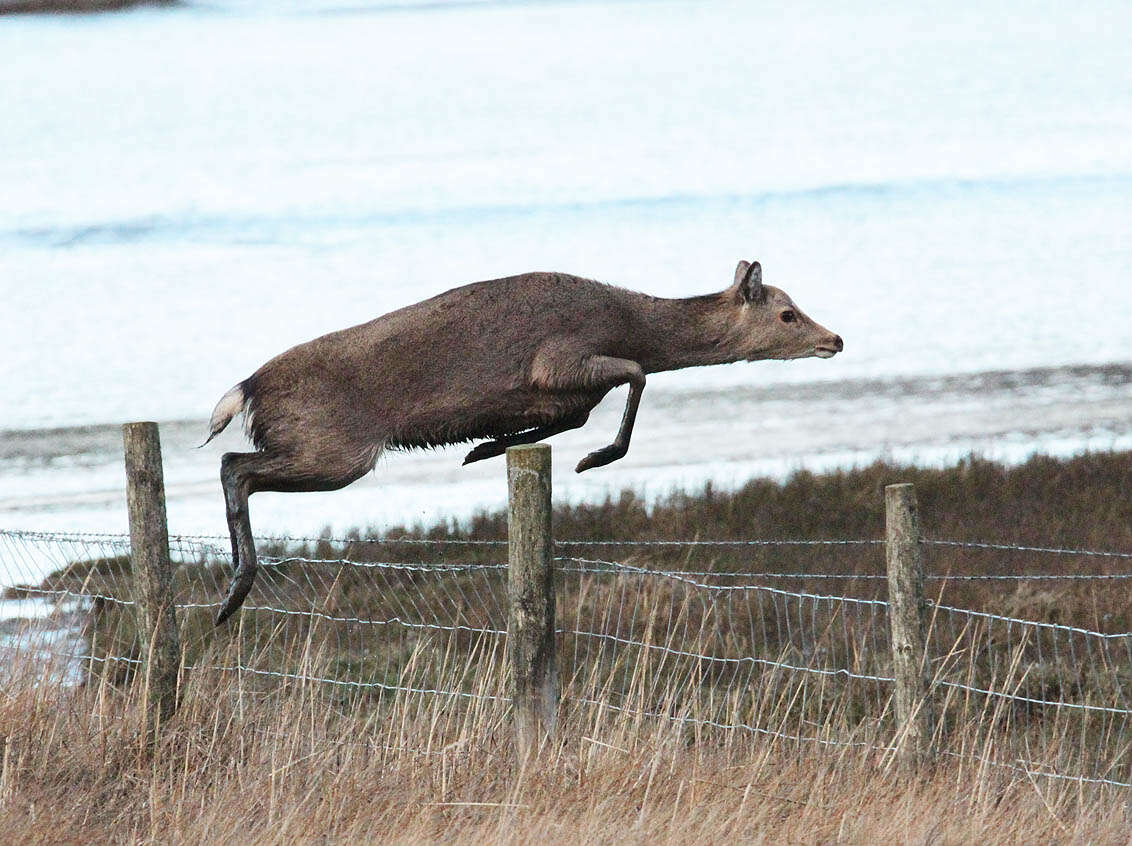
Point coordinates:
[(906, 622), (530, 593), (152, 569)]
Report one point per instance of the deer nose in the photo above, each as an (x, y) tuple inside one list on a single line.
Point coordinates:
[(838, 344)]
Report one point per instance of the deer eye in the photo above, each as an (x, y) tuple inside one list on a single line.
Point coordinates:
[(788, 316)]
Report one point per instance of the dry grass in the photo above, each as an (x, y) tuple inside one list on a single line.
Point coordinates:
[(290, 764), (255, 758)]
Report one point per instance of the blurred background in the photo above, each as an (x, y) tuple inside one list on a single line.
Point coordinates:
[(186, 191)]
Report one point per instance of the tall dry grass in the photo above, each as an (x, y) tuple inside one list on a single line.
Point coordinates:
[(263, 758), (241, 763)]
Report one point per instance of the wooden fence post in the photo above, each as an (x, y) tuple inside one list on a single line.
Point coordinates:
[(906, 622), (152, 569), (530, 593)]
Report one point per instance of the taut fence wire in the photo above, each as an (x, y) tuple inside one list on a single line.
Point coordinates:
[(715, 647)]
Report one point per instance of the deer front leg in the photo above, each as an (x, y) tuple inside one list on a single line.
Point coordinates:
[(499, 445), (611, 372)]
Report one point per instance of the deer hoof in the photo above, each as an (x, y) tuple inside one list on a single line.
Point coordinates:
[(484, 450), (600, 457), (241, 584)]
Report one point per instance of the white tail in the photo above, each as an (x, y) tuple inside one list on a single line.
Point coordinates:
[(231, 404)]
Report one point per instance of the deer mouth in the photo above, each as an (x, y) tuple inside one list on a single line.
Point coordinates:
[(825, 352)]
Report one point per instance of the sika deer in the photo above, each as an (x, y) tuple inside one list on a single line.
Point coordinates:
[(512, 360)]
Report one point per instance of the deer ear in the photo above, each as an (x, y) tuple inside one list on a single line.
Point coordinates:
[(741, 272), (751, 285)]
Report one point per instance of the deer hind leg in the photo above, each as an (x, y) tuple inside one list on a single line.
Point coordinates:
[(490, 449), (234, 480), (244, 473)]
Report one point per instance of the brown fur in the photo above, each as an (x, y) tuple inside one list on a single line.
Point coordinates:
[(512, 360)]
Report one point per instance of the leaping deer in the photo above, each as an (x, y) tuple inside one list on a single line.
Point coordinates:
[(511, 360)]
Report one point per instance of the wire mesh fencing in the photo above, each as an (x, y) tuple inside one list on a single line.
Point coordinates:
[(682, 635)]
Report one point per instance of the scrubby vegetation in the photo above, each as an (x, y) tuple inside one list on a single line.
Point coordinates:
[(259, 753)]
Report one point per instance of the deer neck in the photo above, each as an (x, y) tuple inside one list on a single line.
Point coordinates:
[(686, 333)]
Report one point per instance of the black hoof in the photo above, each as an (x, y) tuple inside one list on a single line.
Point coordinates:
[(487, 450), (600, 457), (241, 584)]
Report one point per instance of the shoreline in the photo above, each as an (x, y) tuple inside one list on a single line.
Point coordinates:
[(77, 7)]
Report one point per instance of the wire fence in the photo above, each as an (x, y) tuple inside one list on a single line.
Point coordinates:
[(802, 656)]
